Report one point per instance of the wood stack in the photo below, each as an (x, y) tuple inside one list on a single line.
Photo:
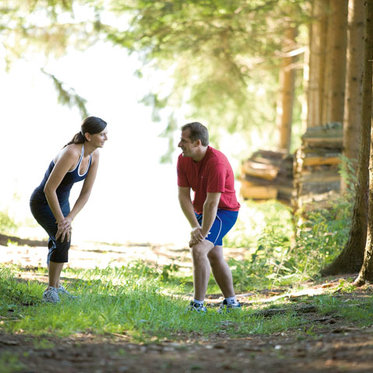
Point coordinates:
[(267, 175), (316, 172)]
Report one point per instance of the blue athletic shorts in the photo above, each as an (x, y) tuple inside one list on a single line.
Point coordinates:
[(223, 223)]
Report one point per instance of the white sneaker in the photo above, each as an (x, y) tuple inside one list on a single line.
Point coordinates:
[(225, 307), (62, 291), (51, 295)]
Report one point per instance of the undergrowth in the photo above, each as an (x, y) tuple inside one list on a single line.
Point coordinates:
[(287, 250)]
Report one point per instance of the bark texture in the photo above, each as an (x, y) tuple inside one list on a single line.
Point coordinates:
[(366, 272), (335, 77), (354, 84), (353, 253), (287, 84), (317, 57)]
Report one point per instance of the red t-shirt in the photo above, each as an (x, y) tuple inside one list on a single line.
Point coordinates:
[(213, 174)]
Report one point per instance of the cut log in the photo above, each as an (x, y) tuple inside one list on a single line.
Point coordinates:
[(249, 191), (330, 130), (278, 181), (317, 161), (329, 136), (319, 188), (322, 176), (263, 171), (324, 143), (268, 157), (266, 175), (316, 167)]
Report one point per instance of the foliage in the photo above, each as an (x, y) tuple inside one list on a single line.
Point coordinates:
[(68, 96), (278, 253), (52, 27), (223, 57), (322, 236), (7, 224)]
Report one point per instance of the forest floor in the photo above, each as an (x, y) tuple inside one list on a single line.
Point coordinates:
[(326, 344)]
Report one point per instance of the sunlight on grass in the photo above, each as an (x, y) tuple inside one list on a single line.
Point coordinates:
[(138, 308), (136, 302)]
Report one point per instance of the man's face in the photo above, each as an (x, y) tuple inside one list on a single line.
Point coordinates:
[(186, 144)]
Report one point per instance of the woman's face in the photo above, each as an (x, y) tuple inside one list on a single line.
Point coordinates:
[(98, 139)]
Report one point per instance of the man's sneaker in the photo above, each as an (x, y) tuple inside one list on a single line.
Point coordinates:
[(51, 295), (225, 307), (196, 307), (62, 291)]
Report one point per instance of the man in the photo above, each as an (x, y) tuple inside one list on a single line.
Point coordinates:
[(212, 213)]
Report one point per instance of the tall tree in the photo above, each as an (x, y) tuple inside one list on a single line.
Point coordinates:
[(351, 257), (317, 58), (287, 89), (353, 103), (366, 271), (335, 69)]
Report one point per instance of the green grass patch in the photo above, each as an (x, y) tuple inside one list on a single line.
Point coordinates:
[(355, 310), (131, 300), (137, 301)]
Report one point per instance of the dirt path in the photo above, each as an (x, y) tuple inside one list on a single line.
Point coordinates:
[(336, 349), (323, 344)]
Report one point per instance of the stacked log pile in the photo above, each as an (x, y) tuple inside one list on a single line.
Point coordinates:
[(267, 175), (316, 171)]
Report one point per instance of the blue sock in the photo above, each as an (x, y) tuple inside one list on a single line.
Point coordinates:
[(199, 302), (231, 300)]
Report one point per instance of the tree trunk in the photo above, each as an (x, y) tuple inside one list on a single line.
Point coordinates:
[(366, 272), (353, 253), (318, 32), (354, 83), (287, 84), (336, 62)]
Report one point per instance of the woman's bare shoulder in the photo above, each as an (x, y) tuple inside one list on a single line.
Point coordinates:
[(95, 155), (70, 151)]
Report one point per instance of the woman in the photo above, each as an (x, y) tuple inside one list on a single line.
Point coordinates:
[(49, 203)]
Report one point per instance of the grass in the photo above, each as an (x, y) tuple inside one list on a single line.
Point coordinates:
[(136, 301), (148, 302), (136, 306)]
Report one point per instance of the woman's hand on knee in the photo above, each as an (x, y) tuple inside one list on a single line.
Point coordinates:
[(64, 229)]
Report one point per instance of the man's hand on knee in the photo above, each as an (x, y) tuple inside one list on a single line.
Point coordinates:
[(196, 236)]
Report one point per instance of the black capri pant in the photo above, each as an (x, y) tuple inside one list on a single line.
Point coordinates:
[(58, 251)]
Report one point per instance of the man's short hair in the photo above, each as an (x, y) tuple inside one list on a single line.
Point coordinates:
[(197, 132)]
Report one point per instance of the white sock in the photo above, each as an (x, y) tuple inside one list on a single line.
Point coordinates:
[(231, 300), (199, 302)]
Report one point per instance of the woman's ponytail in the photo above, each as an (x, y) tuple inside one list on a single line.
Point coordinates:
[(78, 138)]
